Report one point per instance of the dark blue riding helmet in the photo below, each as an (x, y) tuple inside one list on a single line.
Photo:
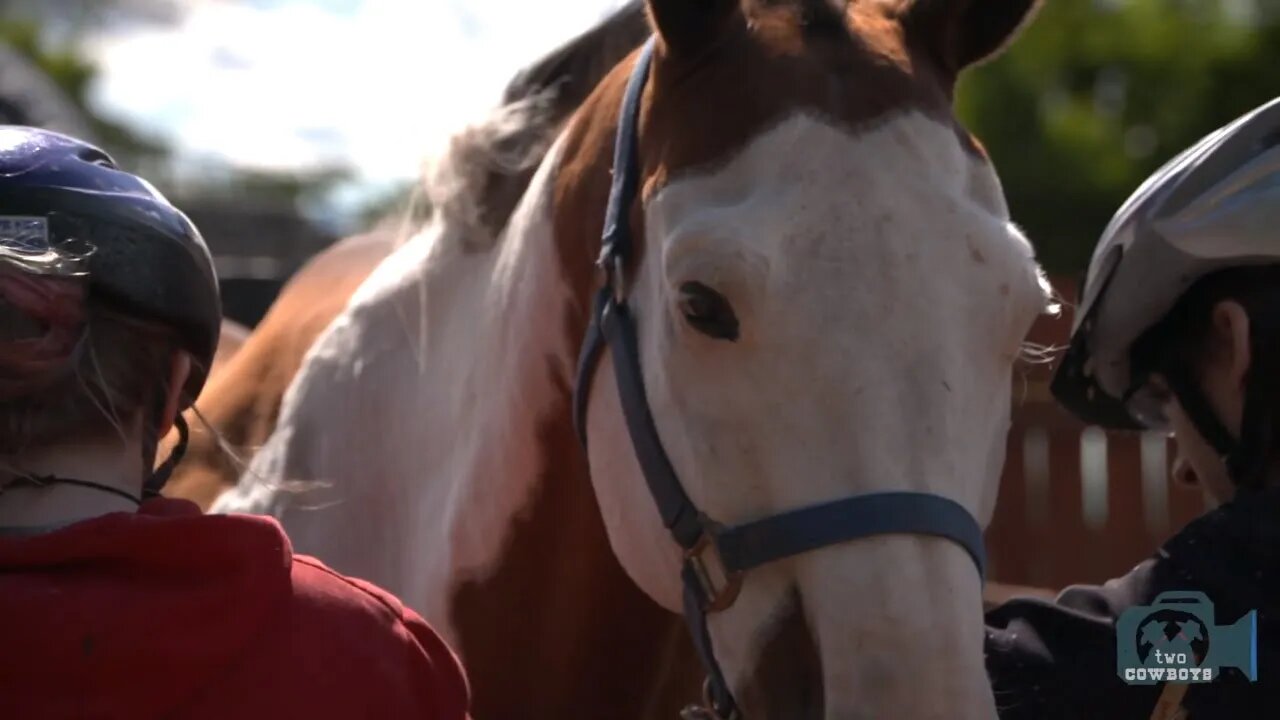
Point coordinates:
[(142, 256)]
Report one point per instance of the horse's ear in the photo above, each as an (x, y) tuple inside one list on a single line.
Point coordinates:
[(687, 26), (959, 33)]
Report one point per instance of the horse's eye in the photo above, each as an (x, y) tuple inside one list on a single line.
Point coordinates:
[(708, 312)]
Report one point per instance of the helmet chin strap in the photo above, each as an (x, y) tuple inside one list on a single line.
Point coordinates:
[(1240, 455), (155, 483), (1247, 457), (151, 486), (1260, 388)]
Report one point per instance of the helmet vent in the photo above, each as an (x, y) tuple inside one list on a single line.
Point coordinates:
[(94, 156)]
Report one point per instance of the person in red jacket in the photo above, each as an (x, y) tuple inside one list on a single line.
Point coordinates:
[(115, 602)]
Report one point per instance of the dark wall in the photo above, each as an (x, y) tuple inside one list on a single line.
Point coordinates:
[(246, 300), (256, 249)]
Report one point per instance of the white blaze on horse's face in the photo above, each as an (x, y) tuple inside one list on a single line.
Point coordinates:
[(880, 303), (830, 311)]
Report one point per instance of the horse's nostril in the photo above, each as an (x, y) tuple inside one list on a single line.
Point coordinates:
[(1183, 473)]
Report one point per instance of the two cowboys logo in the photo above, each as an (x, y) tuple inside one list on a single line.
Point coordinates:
[(1174, 639)]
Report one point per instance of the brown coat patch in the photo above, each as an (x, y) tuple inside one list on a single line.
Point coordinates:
[(579, 640), (231, 338)]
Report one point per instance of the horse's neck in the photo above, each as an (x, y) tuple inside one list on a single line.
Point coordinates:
[(436, 409), (538, 597), (420, 407)]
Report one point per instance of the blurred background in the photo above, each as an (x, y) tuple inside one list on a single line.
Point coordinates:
[(281, 125), (290, 122), (1097, 94), (278, 125)]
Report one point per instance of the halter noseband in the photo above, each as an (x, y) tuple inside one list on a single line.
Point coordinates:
[(711, 585)]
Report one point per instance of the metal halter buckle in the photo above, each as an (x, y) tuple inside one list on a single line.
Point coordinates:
[(730, 581), (707, 710), (611, 264), (618, 278)]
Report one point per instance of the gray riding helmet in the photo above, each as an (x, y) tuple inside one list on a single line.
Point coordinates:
[(1216, 205)]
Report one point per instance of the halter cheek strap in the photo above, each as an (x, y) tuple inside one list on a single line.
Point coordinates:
[(717, 557)]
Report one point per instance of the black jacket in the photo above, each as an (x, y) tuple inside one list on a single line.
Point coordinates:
[(1058, 660)]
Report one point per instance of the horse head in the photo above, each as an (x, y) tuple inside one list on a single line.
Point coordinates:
[(828, 298)]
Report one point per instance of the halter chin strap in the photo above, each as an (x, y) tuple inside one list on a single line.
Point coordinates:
[(716, 557)]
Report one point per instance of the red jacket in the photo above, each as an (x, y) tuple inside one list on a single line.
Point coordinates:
[(171, 613)]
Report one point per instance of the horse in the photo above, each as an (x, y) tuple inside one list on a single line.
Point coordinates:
[(231, 337), (828, 299), (237, 411), (241, 400)]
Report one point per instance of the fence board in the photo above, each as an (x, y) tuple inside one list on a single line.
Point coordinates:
[(1040, 534)]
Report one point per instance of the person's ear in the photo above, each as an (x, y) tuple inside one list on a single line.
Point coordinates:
[(1231, 336), (179, 370)]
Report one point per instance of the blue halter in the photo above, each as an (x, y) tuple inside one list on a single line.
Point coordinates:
[(740, 547)]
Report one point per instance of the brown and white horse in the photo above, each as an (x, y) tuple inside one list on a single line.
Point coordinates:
[(248, 380), (830, 301), (231, 338), (241, 405)]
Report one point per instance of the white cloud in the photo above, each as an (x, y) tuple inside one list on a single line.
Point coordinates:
[(291, 84)]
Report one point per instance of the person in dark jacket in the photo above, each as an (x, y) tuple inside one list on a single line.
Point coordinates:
[(115, 602), (1178, 328)]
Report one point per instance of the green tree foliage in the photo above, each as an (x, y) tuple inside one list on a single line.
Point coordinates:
[(1096, 95)]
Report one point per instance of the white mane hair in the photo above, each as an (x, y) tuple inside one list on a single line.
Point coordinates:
[(444, 208), (371, 454), (451, 187)]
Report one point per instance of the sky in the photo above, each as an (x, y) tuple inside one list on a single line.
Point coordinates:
[(297, 84)]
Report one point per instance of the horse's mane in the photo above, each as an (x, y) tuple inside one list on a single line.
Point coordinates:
[(474, 184)]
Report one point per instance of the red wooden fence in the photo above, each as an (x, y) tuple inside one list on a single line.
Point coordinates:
[(1078, 504)]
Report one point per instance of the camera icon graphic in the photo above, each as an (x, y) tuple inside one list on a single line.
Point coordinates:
[(1174, 639)]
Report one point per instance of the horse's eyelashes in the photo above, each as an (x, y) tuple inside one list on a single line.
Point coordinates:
[(708, 312)]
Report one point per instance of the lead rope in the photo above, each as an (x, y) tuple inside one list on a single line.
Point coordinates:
[(1169, 704), (717, 699)]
